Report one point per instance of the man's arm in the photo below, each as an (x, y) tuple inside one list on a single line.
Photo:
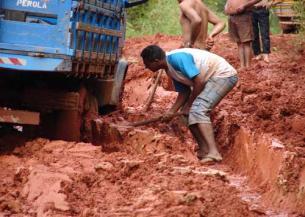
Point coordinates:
[(274, 2), (195, 21), (267, 3), (197, 88), (180, 101), (219, 25), (249, 4)]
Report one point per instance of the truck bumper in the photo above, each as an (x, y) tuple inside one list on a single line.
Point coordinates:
[(28, 63)]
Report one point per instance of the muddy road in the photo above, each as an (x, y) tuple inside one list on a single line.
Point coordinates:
[(152, 170)]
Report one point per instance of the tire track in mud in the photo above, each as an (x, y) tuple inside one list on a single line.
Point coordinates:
[(57, 178)]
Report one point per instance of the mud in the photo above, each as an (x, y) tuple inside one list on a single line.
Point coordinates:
[(152, 170)]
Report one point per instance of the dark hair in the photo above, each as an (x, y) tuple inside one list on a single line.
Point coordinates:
[(152, 52)]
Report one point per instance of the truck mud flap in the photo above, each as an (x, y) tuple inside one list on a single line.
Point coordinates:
[(109, 91)]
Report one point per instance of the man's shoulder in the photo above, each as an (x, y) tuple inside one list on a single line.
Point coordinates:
[(176, 51), (190, 51), (180, 52)]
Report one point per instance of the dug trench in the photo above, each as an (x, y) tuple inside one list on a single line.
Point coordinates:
[(152, 170)]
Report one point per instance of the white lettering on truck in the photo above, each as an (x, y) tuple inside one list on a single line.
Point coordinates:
[(33, 4)]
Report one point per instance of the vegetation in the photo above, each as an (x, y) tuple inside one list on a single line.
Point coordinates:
[(163, 16), (152, 17), (299, 7)]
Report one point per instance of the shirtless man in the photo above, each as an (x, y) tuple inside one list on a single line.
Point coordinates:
[(194, 20), (240, 27)]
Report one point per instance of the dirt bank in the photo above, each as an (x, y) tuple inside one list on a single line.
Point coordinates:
[(260, 125)]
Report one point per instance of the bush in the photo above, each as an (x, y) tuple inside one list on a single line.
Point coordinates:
[(161, 16), (299, 7), (155, 16)]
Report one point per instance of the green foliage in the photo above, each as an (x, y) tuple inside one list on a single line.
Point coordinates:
[(215, 5), (299, 8), (155, 16), (274, 23), (162, 16)]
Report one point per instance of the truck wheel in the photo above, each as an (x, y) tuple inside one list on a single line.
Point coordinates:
[(89, 113), (68, 124), (75, 125)]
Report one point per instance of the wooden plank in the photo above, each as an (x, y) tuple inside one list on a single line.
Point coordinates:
[(19, 117)]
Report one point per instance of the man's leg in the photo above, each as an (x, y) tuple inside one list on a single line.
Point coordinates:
[(235, 36), (245, 31), (206, 131), (247, 53), (256, 42), (265, 33), (215, 89), (200, 42), (203, 148), (241, 54), (186, 29)]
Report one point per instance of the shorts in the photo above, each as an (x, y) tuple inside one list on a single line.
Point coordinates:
[(215, 89), (240, 27)]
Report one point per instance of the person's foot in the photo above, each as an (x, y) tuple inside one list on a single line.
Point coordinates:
[(211, 158), (266, 58), (258, 57)]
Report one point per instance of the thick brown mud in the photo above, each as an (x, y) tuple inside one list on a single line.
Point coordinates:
[(152, 170)]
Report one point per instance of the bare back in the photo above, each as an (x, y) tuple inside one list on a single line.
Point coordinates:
[(232, 5), (202, 11)]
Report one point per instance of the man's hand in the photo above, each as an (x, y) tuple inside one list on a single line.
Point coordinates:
[(264, 3), (240, 9), (186, 109), (167, 116), (186, 45), (269, 5), (209, 43)]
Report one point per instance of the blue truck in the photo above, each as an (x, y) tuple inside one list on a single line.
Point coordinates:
[(61, 63)]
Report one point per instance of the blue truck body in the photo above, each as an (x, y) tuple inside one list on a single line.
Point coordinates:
[(54, 35), (51, 49)]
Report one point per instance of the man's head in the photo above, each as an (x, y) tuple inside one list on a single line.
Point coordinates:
[(153, 57)]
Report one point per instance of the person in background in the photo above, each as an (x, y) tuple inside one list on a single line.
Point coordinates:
[(240, 27), (194, 19), (261, 29)]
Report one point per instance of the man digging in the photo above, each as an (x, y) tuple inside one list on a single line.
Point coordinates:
[(201, 79)]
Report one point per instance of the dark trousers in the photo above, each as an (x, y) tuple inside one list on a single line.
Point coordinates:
[(260, 20)]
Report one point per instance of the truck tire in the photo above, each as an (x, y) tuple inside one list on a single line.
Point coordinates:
[(75, 125)]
